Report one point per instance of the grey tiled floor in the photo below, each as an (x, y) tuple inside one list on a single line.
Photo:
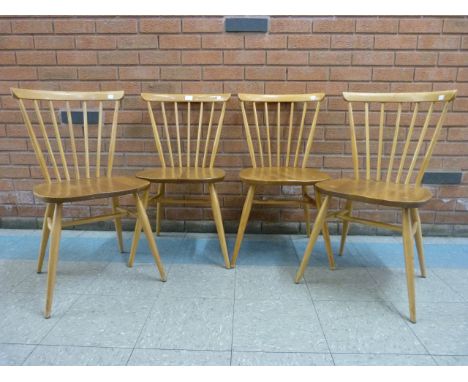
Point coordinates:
[(107, 314)]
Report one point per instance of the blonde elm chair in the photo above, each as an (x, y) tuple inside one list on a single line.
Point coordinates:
[(187, 130), (72, 169), (280, 132), (393, 168)]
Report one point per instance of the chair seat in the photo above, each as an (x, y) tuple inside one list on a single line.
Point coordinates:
[(282, 175), (182, 175), (376, 192), (88, 188)]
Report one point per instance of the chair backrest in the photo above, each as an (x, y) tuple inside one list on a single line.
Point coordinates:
[(283, 127), (406, 129), (60, 145), (189, 127)]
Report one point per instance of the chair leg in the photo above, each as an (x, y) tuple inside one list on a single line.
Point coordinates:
[(243, 223), (144, 221), (326, 234), (49, 212), (419, 240), (318, 225), (53, 257), (219, 223), (409, 262), (344, 232), (136, 233), (306, 211), (117, 223), (161, 191)]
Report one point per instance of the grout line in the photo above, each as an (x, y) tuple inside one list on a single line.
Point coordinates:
[(233, 313)]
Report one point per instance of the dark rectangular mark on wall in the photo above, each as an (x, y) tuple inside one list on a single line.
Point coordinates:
[(442, 177), (77, 117), (246, 24)]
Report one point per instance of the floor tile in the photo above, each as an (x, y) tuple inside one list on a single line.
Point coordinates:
[(281, 325), (14, 354), (451, 360), (281, 359), (456, 279), (156, 357), (102, 321), (345, 284), (199, 281), (366, 327), (383, 360), (267, 250), (119, 280), (190, 324), (269, 283), (77, 356), (21, 316), (441, 327), (13, 272)]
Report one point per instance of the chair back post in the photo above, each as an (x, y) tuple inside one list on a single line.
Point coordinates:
[(421, 137), (279, 139)]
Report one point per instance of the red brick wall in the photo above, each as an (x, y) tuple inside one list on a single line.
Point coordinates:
[(194, 54)]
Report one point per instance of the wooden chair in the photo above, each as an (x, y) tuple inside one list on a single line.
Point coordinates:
[(390, 179), (279, 153), (69, 179), (190, 152)]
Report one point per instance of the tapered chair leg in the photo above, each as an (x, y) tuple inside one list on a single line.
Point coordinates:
[(144, 221), (219, 223), (136, 233), (344, 232), (118, 223), (306, 211), (318, 225), (49, 212), (161, 191), (243, 223), (53, 257), (326, 234), (409, 262), (419, 240)]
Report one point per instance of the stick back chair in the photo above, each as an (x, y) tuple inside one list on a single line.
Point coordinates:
[(406, 126), (76, 167), (187, 130), (280, 133)]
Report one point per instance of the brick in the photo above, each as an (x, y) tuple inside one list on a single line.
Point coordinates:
[(54, 42), (398, 42), (265, 73), (117, 25), (139, 73), (352, 42), (5, 26), (97, 73), (179, 42), (31, 26), (435, 74), (239, 57), (202, 87), (181, 73), (76, 57), (160, 25), (274, 87), (70, 26), (160, 57), (36, 57), (350, 74), (290, 25), (333, 25), (453, 59), (376, 25), (137, 42), (329, 58), (7, 58), (202, 57), (308, 74), (222, 42), (202, 25), (118, 57), (235, 87), (393, 74), (96, 42), (266, 42), (373, 58), (56, 73), (462, 74), (17, 73), (16, 42), (287, 58), (455, 25), (416, 58), (223, 73), (309, 42), (419, 25), (438, 42)]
